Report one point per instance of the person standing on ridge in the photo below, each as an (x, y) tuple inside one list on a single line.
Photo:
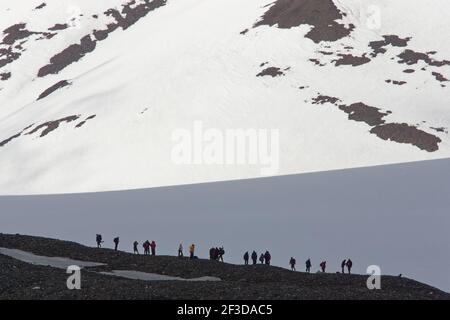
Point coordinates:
[(267, 257), (135, 247), (254, 257), (212, 253), (192, 251), (349, 265), (343, 264), (292, 262), (246, 257), (221, 252), (308, 265), (98, 239), (153, 247), (180, 250), (146, 246), (261, 258), (216, 253), (323, 266), (116, 243)]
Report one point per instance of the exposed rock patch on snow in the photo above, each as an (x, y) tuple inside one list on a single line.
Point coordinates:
[(56, 86), (47, 127), (5, 76), (404, 133), (322, 15), (124, 18), (271, 71), (374, 117)]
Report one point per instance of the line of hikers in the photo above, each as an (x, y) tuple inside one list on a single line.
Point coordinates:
[(216, 253), (191, 251), (151, 247), (263, 258)]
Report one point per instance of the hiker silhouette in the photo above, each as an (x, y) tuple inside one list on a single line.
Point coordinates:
[(254, 257), (261, 258), (246, 257), (308, 265), (213, 253), (220, 252), (343, 264), (192, 251), (146, 246), (98, 239), (135, 247), (349, 265), (116, 243), (292, 262), (323, 266), (180, 250), (267, 257), (153, 247)]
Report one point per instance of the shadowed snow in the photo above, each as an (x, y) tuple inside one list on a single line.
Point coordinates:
[(137, 275)]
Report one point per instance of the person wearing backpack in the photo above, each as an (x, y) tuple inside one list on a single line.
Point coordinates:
[(323, 266), (261, 258), (292, 263), (98, 239), (246, 257), (308, 265), (267, 258), (146, 246), (254, 257), (221, 252), (349, 265), (153, 247)]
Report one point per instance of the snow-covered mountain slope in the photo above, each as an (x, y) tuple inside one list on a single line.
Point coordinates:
[(91, 92)]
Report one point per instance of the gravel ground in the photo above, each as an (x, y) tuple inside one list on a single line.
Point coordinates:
[(20, 280)]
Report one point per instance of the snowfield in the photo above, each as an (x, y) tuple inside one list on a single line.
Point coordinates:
[(91, 92), (64, 263)]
